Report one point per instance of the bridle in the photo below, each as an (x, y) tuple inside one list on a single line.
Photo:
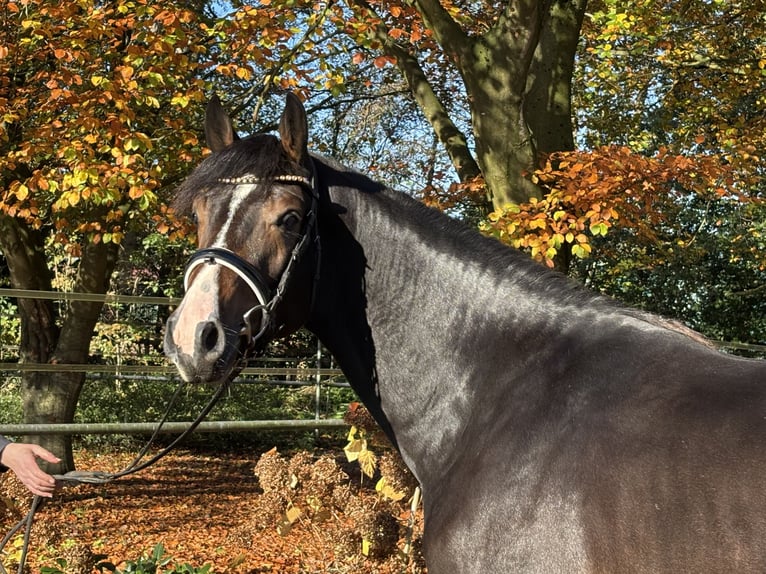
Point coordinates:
[(268, 299)]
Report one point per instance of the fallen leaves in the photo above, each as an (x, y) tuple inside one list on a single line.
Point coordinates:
[(204, 509)]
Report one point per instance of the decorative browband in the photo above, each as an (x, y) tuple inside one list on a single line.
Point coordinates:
[(254, 179)]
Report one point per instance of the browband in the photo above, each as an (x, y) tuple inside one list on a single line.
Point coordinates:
[(250, 179)]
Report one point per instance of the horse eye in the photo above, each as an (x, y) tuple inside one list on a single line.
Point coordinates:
[(289, 221)]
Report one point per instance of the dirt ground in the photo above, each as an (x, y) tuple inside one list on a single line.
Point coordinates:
[(304, 513)]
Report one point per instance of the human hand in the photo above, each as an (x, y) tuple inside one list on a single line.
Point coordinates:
[(21, 458)]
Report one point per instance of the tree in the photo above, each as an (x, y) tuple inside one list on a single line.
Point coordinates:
[(508, 64), (515, 61), (672, 84), (94, 102), (687, 78)]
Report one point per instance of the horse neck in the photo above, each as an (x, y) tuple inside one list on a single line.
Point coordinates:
[(407, 313)]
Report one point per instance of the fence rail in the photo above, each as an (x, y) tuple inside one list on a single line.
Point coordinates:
[(169, 427), (118, 370), (267, 373), (106, 298), (319, 378)]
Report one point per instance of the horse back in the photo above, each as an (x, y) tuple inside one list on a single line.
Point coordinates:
[(646, 456)]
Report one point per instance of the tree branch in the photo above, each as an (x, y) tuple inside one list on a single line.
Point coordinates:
[(454, 141), (448, 33)]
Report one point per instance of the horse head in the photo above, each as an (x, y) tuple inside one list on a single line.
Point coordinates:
[(255, 205)]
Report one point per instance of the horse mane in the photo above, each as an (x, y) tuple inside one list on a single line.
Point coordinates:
[(260, 154), (509, 263), (463, 241)]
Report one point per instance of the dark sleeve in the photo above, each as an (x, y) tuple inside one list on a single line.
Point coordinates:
[(4, 442)]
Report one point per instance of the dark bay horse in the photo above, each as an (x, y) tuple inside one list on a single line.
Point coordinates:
[(551, 429)]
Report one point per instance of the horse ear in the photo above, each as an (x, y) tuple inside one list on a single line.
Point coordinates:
[(219, 130), (294, 131)]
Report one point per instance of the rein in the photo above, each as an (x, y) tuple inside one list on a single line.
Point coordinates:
[(268, 299), (99, 477)]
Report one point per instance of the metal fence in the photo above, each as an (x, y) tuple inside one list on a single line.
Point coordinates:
[(301, 372)]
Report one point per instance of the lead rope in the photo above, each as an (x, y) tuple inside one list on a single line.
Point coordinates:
[(99, 477)]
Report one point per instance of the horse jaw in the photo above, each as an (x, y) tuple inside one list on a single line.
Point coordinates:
[(200, 344)]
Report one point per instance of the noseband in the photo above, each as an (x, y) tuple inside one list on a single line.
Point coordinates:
[(268, 299)]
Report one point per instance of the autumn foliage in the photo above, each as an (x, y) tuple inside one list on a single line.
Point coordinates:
[(94, 99), (588, 193)]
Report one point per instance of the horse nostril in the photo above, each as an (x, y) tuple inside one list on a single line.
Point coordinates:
[(209, 336)]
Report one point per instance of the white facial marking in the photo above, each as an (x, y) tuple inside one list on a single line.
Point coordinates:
[(238, 197), (199, 304)]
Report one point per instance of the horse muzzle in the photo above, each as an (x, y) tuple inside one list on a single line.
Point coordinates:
[(202, 358), (204, 345)]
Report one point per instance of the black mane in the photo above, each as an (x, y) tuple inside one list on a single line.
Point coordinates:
[(465, 242)]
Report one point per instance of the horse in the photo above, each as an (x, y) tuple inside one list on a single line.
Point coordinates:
[(551, 428)]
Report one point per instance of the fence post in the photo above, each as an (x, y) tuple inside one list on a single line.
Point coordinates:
[(318, 386)]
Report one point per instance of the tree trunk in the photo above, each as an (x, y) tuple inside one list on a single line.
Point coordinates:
[(51, 397), (548, 100), (517, 76), (548, 107), (494, 68), (24, 250)]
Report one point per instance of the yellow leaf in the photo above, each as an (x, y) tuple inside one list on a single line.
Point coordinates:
[(354, 448), (550, 253), (181, 101), (365, 547), (367, 462), (243, 73), (388, 491), (22, 192), (292, 514)]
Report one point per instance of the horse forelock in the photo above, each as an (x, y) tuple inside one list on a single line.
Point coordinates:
[(261, 155)]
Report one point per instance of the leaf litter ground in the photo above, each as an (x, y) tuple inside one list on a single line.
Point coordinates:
[(305, 513)]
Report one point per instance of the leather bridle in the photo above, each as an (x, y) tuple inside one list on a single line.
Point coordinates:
[(268, 298)]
